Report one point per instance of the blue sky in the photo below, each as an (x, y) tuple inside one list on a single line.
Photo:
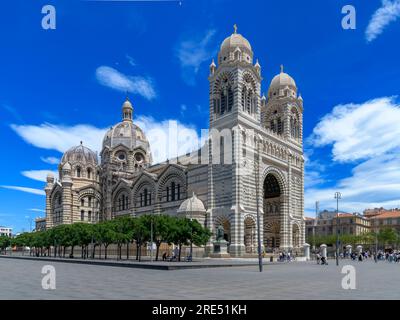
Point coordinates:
[(65, 85)]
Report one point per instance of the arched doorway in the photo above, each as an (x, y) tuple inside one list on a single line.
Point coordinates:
[(250, 241), (272, 213)]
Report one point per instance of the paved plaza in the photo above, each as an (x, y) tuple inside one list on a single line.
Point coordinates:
[(21, 279)]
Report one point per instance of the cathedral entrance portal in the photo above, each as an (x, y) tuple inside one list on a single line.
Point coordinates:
[(272, 213)]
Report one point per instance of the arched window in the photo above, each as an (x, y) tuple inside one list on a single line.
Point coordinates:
[(89, 173), (83, 202), (173, 191), (78, 172), (145, 197), (179, 191), (89, 201), (89, 215), (82, 215)]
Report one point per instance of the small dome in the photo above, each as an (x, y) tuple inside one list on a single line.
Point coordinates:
[(127, 104), (79, 154), (192, 204), (235, 40), (282, 80)]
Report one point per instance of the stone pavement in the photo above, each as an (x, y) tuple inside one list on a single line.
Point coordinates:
[(21, 279)]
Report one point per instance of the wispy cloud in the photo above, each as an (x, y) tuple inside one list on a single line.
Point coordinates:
[(60, 137), (360, 131), (193, 52), (37, 210), (387, 13), (116, 80), (39, 175), (131, 61), (50, 160), (25, 189)]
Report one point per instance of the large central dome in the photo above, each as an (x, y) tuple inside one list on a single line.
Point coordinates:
[(127, 136), (125, 133)]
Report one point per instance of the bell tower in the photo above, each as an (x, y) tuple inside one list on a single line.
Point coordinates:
[(235, 84)]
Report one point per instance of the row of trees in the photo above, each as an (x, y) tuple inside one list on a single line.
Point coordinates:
[(120, 231), (385, 237)]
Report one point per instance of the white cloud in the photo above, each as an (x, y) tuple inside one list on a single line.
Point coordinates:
[(37, 210), (116, 80), (25, 189), (369, 134), (39, 175), (360, 131), (168, 138), (192, 53), (373, 183), (389, 12), (60, 137), (50, 160)]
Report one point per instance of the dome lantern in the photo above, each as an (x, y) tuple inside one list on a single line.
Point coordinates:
[(127, 110)]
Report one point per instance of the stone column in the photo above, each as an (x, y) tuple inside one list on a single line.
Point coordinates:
[(307, 251), (323, 250), (348, 249)]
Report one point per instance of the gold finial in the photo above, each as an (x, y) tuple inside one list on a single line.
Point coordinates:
[(281, 68), (235, 28)]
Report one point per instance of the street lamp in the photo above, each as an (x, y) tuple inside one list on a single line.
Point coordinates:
[(191, 228), (338, 196), (257, 168)]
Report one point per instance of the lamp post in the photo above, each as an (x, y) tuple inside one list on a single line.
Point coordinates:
[(338, 196), (260, 264), (151, 239), (191, 228)]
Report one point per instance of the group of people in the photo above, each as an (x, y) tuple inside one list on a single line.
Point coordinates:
[(286, 256), (174, 256), (389, 256)]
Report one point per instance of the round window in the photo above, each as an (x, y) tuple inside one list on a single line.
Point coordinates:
[(139, 157), (121, 156)]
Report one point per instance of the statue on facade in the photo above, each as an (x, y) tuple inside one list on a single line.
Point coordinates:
[(220, 233)]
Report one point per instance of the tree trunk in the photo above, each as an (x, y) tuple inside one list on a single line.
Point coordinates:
[(137, 251), (105, 252), (71, 255), (127, 250), (180, 250)]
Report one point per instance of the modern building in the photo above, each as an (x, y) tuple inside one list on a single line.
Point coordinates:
[(4, 231), (252, 162)]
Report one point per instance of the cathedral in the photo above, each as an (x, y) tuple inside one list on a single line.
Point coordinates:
[(251, 165)]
